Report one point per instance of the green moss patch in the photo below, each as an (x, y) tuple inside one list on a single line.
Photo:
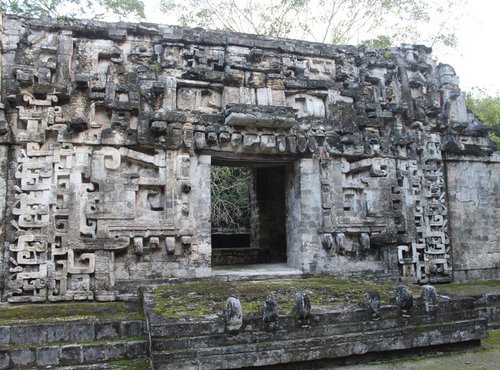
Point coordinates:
[(493, 340), (204, 298), (66, 311), (470, 288)]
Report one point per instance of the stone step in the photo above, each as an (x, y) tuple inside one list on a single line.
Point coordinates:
[(258, 335), (71, 342), (312, 348), (71, 354), (67, 330)]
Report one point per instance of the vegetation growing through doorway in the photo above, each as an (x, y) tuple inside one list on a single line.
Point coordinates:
[(230, 197)]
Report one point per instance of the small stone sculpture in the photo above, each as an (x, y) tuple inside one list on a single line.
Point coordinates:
[(371, 302), (327, 241), (302, 308), (364, 241), (404, 299), (234, 314), (429, 297), (340, 241), (270, 313)]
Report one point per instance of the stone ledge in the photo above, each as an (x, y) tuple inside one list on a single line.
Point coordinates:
[(320, 347), (69, 331), (72, 354)]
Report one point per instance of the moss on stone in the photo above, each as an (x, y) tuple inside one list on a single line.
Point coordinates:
[(66, 311), (134, 364), (204, 298), (470, 288)]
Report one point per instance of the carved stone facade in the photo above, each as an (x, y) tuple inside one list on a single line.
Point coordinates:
[(108, 132)]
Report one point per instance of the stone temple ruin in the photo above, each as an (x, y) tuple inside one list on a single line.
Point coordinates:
[(361, 162), (364, 161)]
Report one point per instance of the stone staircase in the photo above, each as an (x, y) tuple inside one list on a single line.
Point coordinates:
[(74, 342), (69, 341)]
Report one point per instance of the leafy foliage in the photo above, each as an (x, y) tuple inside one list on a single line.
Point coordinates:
[(73, 8), (334, 21), (487, 108), (380, 42), (230, 196)]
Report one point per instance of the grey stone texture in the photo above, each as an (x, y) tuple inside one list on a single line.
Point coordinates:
[(22, 357), (66, 343), (328, 333), (110, 131), (47, 356), (474, 187)]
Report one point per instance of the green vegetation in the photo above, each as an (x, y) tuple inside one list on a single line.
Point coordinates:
[(230, 197), (336, 22), (73, 8), (493, 340), (487, 108), (380, 42), (205, 298), (155, 67), (135, 364), (65, 311), (476, 287)]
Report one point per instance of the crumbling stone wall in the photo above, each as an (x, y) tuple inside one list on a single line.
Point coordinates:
[(107, 132)]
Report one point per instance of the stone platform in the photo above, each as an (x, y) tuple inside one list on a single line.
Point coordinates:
[(203, 337), (184, 324)]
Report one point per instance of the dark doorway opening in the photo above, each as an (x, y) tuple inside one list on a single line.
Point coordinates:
[(257, 233), (271, 231)]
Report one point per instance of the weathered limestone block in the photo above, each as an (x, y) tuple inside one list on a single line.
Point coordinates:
[(473, 187), (200, 140), (206, 100), (306, 105), (250, 140), (340, 241)]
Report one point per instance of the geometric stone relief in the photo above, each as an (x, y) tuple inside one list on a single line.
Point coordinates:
[(37, 117), (427, 257), (307, 105), (355, 201), (76, 206)]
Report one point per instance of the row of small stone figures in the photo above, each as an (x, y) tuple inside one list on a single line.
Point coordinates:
[(302, 307)]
